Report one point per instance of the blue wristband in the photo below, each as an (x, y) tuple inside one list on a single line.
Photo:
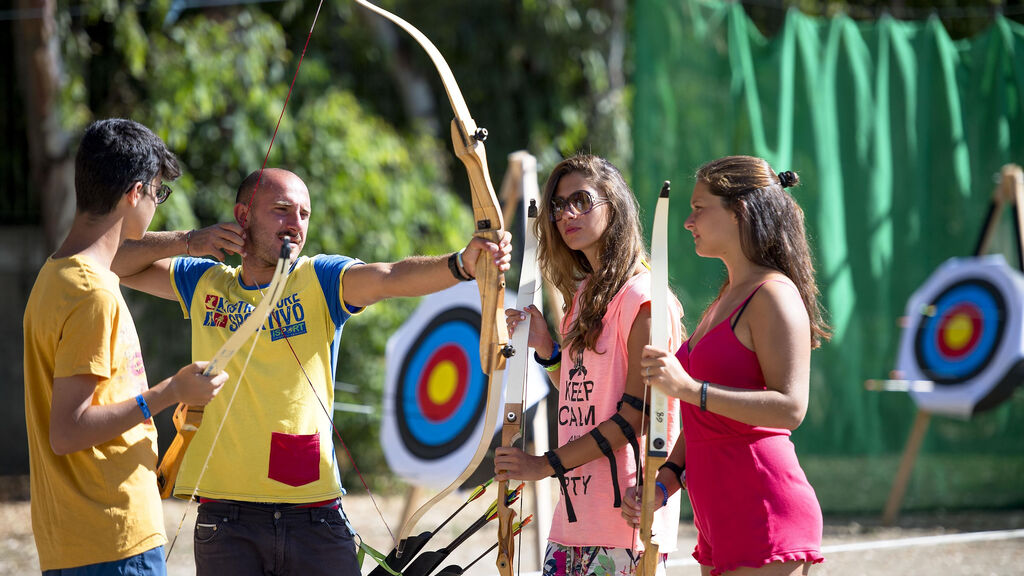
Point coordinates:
[(664, 493), (142, 406), (556, 357)]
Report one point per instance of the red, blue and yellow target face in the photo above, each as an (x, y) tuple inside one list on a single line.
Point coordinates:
[(962, 332), (441, 389)]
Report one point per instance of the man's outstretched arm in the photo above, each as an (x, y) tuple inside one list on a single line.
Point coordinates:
[(418, 275)]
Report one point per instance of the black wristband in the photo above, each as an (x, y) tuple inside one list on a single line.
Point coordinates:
[(676, 469), (703, 395), (454, 268), (556, 463), (559, 468)]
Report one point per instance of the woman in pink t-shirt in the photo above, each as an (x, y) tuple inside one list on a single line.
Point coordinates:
[(591, 250), (744, 377)]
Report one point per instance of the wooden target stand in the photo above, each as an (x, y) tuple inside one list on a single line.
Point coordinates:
[(1009, 191)]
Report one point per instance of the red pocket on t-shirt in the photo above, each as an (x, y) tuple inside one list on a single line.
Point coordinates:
[(294, 458)]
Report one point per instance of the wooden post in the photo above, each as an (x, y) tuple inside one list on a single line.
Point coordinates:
[(910, 452), (413, 496), (1013, 179)]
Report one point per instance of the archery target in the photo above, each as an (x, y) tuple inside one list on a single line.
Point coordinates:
[(441, 389), (435, 395), (964, 333)]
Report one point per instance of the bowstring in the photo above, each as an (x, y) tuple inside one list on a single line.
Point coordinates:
[(337, 435), (287, 98), (213, 442), (245, 216), (537, 287), (638, 497)]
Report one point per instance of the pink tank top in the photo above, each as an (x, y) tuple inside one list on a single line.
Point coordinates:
[(591, 385), (721, 358)]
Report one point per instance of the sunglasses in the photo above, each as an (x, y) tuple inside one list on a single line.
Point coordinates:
[(580, 202), (160, 192)]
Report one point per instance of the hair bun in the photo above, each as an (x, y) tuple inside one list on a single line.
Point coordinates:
[(788, 178)]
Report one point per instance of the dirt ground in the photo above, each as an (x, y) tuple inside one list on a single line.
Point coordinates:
[(948, 544)]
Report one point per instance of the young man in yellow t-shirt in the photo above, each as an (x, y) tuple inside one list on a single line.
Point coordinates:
[(88, 406)]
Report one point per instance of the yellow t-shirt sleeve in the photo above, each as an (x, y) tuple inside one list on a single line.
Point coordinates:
[(84, 346)]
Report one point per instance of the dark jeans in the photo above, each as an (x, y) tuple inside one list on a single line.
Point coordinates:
[(148, 563), (273, 539)]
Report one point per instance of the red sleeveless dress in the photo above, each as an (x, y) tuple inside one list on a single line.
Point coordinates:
[(751, 501)]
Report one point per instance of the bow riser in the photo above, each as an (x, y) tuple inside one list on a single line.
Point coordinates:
[(510, 433), (649, 560), (469, 148), (493, 331), (468, 142)]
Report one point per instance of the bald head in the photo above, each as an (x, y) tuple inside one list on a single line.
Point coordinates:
[(272, 178)]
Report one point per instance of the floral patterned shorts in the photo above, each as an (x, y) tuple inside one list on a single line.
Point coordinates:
[(562, 560)]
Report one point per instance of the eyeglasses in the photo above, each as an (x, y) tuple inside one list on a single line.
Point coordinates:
[(581, 202), (161, 192)]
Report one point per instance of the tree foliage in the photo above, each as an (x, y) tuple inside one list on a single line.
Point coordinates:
[(384, 184), (549, 76)]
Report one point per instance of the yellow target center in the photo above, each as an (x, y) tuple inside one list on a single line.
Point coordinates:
[(958, 331), (442, 382)]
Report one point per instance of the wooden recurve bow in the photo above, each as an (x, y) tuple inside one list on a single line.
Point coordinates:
[(519, 361), (468, 142)]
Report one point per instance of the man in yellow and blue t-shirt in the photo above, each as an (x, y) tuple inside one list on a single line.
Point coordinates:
[(270, 495), (92, 444)]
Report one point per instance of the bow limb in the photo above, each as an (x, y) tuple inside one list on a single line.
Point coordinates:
[(467, 139), (187, 419), (468, 142), (525, 166), (658, 433)]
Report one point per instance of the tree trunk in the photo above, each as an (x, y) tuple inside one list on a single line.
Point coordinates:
[(51, 167), (413, 88), (610, 115)]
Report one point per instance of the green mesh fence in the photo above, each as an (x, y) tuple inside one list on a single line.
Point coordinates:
[(897, 132)]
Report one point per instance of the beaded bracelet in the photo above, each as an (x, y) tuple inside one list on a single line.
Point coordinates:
[(664, 493)]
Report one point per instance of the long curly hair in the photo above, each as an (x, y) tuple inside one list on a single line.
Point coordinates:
[(771, 225), (621, 251)]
